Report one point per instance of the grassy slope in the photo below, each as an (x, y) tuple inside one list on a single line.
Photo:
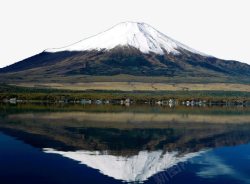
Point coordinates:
[(28, 93), (141, 86), (34, 77)]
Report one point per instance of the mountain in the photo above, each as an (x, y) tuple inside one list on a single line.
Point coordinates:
[(130, 49)]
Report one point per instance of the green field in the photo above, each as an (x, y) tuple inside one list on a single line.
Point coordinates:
[(54, 95), (140, 86)]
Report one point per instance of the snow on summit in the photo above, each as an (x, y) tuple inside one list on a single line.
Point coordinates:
[(138, 35)]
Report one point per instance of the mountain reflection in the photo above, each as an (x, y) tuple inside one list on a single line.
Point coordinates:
[(128, 144), (138, 167)]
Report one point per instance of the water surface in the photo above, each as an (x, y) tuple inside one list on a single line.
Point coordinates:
[(117, 144)]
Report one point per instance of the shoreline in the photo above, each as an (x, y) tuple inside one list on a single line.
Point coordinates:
[(17, 94)]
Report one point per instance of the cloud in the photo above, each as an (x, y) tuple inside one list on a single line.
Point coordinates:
[(215, 167)]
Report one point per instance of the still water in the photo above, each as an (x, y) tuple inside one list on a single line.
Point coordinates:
[(52, 144)]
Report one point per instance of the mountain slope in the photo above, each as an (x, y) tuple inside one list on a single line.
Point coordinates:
[(130, 48)]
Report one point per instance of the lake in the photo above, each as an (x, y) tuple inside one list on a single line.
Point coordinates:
[(62, 143)]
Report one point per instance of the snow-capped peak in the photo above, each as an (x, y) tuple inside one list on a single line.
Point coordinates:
[(138, 35)]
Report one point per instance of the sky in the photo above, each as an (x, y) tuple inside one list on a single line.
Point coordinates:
[(216, 27)]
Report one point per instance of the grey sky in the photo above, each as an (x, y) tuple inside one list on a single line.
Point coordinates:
[(216, 27)]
